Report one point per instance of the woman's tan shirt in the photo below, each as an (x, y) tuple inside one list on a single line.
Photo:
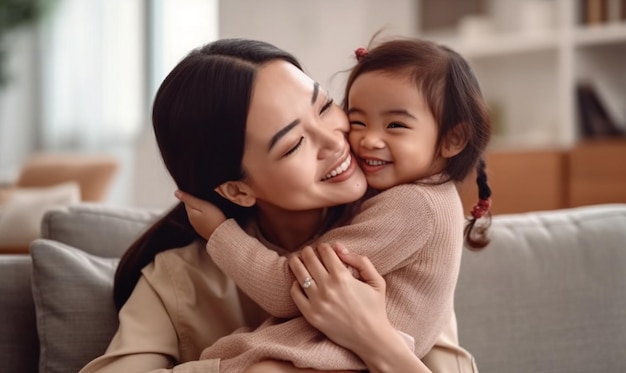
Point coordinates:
[(181, 304)]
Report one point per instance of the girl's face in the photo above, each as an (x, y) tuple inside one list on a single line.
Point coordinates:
[(296, 155), (393, 132)]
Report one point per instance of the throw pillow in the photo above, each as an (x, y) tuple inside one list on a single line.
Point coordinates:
[(23, 209), (73, 294)]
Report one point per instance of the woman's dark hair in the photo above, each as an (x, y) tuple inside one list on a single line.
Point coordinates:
[(453, 95), (199, 117)]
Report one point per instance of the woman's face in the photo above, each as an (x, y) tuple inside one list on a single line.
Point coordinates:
[(296, 155)]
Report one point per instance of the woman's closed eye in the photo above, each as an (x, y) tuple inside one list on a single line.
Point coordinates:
[(295, 148), (327, 105)]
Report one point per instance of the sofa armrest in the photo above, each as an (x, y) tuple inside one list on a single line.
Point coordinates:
[(19, 345)]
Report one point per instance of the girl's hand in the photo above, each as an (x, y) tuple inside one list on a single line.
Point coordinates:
[(204, 216), (342, 307), (272, 366)]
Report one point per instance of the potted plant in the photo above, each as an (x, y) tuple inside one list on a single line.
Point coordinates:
[(15, 14)]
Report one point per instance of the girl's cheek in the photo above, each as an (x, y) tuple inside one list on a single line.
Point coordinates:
[(353, 140)]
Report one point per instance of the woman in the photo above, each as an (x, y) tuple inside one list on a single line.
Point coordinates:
[(229, 121)]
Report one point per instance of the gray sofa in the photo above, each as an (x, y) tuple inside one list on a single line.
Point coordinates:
[(547, 295)]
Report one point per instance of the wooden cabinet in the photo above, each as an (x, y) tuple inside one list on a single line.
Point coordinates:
[(591, 172), (597, 172)]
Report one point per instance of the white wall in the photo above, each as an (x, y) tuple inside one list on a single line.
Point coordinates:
[(322, 34)]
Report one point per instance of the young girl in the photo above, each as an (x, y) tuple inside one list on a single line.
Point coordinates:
[(418, 124)]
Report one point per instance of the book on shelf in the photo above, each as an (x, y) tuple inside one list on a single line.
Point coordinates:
[(595, 119), (597, 12), (593, 12)]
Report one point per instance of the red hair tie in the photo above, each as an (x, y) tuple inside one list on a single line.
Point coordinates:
[(360, 53), (481, 208)]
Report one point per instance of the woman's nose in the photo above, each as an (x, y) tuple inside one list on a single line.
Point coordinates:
[(331, 142)]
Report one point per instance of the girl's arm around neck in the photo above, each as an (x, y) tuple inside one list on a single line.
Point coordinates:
[(261, 273)]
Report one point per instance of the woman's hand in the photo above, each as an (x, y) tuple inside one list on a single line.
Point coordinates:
[(350, 311), (204, 216), (339, 305)]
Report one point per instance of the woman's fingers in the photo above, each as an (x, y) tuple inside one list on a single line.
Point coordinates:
[(304, 278), (299, 298), (362, 265), (313, 264), (332, 262)]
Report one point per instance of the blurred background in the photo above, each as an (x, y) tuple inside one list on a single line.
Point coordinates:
[(78, 78)]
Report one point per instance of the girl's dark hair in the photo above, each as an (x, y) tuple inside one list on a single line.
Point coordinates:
[(199, 117), (453, 95)]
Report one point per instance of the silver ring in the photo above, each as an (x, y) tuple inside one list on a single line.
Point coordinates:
[(307, 283)]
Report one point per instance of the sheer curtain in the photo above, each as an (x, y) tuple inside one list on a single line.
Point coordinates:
[(93, 74), (176, 27), (102, 61)]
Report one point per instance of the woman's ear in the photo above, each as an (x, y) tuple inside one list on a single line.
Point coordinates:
[(237, 192), (455, 141)]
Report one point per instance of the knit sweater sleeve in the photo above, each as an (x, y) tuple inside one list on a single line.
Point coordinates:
[(261, 273), (390, 228), (379, 231)]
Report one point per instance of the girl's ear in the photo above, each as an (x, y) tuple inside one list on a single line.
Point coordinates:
[(455, 141), (237, 192)]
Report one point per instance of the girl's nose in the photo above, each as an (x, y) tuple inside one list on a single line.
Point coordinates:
[(371, 140)]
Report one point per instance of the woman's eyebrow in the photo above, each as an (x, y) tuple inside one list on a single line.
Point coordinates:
[(316, 91), (280, 134)]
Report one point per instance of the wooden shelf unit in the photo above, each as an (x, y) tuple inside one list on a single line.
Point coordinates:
[(590, 172)]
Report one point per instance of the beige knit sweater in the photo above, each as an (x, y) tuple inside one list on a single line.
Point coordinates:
[(413, 234)]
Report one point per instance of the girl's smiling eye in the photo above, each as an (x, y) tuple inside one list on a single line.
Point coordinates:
[(357, 123), (396, 125), (294, 149)]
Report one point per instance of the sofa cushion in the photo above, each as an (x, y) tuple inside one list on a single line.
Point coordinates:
[(73, 294), (94, 173), (18, 335), (21, 211), (100, 230), (548, 293)]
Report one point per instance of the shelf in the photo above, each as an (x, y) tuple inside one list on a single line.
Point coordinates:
[(529, 74), (505, 45), (601, 34)]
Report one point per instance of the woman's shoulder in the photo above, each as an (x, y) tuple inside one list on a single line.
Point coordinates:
[(181, 260)]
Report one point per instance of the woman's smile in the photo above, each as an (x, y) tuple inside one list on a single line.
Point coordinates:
[(342, 172), (339, 169)]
